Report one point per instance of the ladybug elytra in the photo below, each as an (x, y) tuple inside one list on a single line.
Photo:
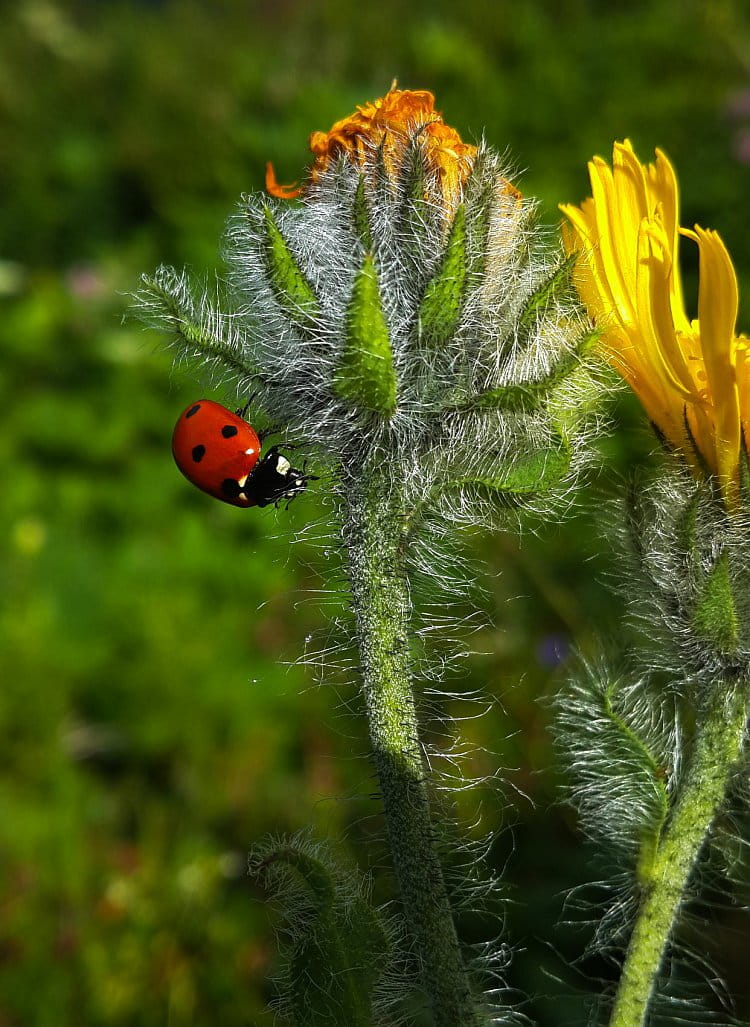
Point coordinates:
[(219, 452)]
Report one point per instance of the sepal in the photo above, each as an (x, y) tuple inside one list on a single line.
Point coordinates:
[(480, 200), (365, 376), (691, 586), (687, 523), (361, 215), (744, 475), (416, 208), (290, 286), (440, 309), (715, 614)]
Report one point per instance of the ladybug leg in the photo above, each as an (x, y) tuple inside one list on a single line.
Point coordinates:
[(242, 411), (265, 433), (293, 445), (275, 429)]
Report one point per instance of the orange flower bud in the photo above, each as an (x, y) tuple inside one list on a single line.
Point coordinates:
[(387, 125)]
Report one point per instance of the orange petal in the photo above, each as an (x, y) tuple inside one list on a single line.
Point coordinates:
[(282, 192)]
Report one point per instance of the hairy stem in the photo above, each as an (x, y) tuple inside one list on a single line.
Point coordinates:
[(382, 607), (716, 751)]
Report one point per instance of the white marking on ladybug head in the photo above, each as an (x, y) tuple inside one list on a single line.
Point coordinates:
[(241, 481), (282, 465)]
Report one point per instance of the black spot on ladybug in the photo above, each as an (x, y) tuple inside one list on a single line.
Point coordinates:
[(228, 431), (198, 453), (193, 410), (231, 488)]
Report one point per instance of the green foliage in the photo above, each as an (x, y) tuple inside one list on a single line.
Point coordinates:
[(531, 394), (338, 949), (532, 473), (140, 702), (365, 376)]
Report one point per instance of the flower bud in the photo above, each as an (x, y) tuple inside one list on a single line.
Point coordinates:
[(406, 312), (692, 562)]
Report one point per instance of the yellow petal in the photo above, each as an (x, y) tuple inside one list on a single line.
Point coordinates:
[(614, 236), (717, 316), (665, 195), (655, 312)]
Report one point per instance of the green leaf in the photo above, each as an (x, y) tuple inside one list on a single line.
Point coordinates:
[(628, 749), (290, 287), (440, 310), (614, 739), (529, 474), (528, 395), (365, 376), (164, 301), (338, 944), (715, 615), (551, 289)]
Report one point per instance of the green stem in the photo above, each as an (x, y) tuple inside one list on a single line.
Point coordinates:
[(716, 751), (382, 607)]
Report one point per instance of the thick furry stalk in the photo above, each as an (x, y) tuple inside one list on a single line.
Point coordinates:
[(716, 752), (382, 607)]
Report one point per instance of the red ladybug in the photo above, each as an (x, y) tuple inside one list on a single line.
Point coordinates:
[(220, 453)]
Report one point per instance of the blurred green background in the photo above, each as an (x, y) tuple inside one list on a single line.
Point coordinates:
[(154, 721)]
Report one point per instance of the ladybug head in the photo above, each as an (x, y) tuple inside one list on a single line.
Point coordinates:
[(274, 479)]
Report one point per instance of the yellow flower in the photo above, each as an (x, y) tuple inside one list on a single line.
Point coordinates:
[(387, 124), (692, 377)]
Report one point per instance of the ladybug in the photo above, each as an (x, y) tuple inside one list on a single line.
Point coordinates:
[(219, 452)]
